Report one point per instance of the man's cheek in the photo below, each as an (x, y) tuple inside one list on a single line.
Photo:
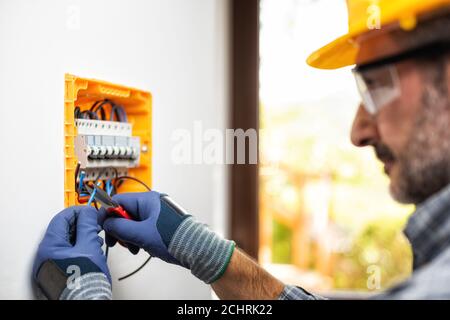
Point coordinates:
[(393, 132)]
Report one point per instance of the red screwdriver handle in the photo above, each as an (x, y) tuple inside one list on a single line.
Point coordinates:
[(119, 212)]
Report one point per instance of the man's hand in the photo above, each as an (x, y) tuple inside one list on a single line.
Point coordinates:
[(71, 247), (152, 228), (163, 232)]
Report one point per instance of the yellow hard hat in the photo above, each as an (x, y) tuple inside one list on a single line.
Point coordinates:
[(343, 51)]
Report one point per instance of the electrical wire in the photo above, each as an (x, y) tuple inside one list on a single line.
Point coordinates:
[(120, 113), (121, 178), (77, 112), (87, 114), (77, 170), (81, 184), (137, 270), (92, 197), (108, 187), (98, 108)]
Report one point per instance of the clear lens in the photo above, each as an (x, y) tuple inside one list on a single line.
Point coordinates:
[(378, 87)]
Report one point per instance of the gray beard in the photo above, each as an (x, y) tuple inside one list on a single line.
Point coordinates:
[(424, 167)]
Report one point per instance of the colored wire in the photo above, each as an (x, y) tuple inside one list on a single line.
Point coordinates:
[(108, 187), (92, 197), (81, 181)]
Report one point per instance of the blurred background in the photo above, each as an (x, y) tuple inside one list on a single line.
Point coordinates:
[(327, 220), (315, 211)]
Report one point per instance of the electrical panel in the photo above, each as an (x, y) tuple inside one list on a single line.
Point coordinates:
[(105, 144), (107, 137)]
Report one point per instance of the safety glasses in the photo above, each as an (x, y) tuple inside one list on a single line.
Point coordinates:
[(378, 87), (378, 83)]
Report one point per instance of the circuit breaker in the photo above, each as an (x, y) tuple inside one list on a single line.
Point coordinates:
[(107, 133)]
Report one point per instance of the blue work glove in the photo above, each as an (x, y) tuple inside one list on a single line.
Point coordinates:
[(72, 239), (152, 228), (165, 231)]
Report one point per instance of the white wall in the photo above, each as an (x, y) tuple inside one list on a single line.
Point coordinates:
[(174, 48)]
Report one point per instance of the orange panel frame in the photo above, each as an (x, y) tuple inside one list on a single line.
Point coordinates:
[(137, 103)]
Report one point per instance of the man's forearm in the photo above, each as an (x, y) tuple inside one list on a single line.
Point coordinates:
[(245, 279), (232, 274)]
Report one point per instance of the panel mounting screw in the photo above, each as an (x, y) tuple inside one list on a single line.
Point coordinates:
[(144, 148)]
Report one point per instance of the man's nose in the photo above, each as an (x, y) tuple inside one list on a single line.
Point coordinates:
[(364, 130)]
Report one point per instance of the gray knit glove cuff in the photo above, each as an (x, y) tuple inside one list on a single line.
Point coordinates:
[(90, 286), (201, 250)]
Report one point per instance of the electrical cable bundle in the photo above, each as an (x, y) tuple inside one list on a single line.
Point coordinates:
[(98, 111)]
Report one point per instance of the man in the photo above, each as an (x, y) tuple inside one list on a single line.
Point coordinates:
[(403, 74)]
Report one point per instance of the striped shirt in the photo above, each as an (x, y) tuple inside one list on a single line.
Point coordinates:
[(428, 231)]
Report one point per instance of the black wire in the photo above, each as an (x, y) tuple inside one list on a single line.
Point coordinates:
[(106, 101), (95, 111), (84, 114), (116, 112), (93, 115), (131, 178), (137, 270), (89, 114), (99, 106), (76, 112), (119, 183), (81, 115)]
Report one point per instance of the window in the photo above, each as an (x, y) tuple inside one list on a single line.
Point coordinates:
[(327, 221)]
